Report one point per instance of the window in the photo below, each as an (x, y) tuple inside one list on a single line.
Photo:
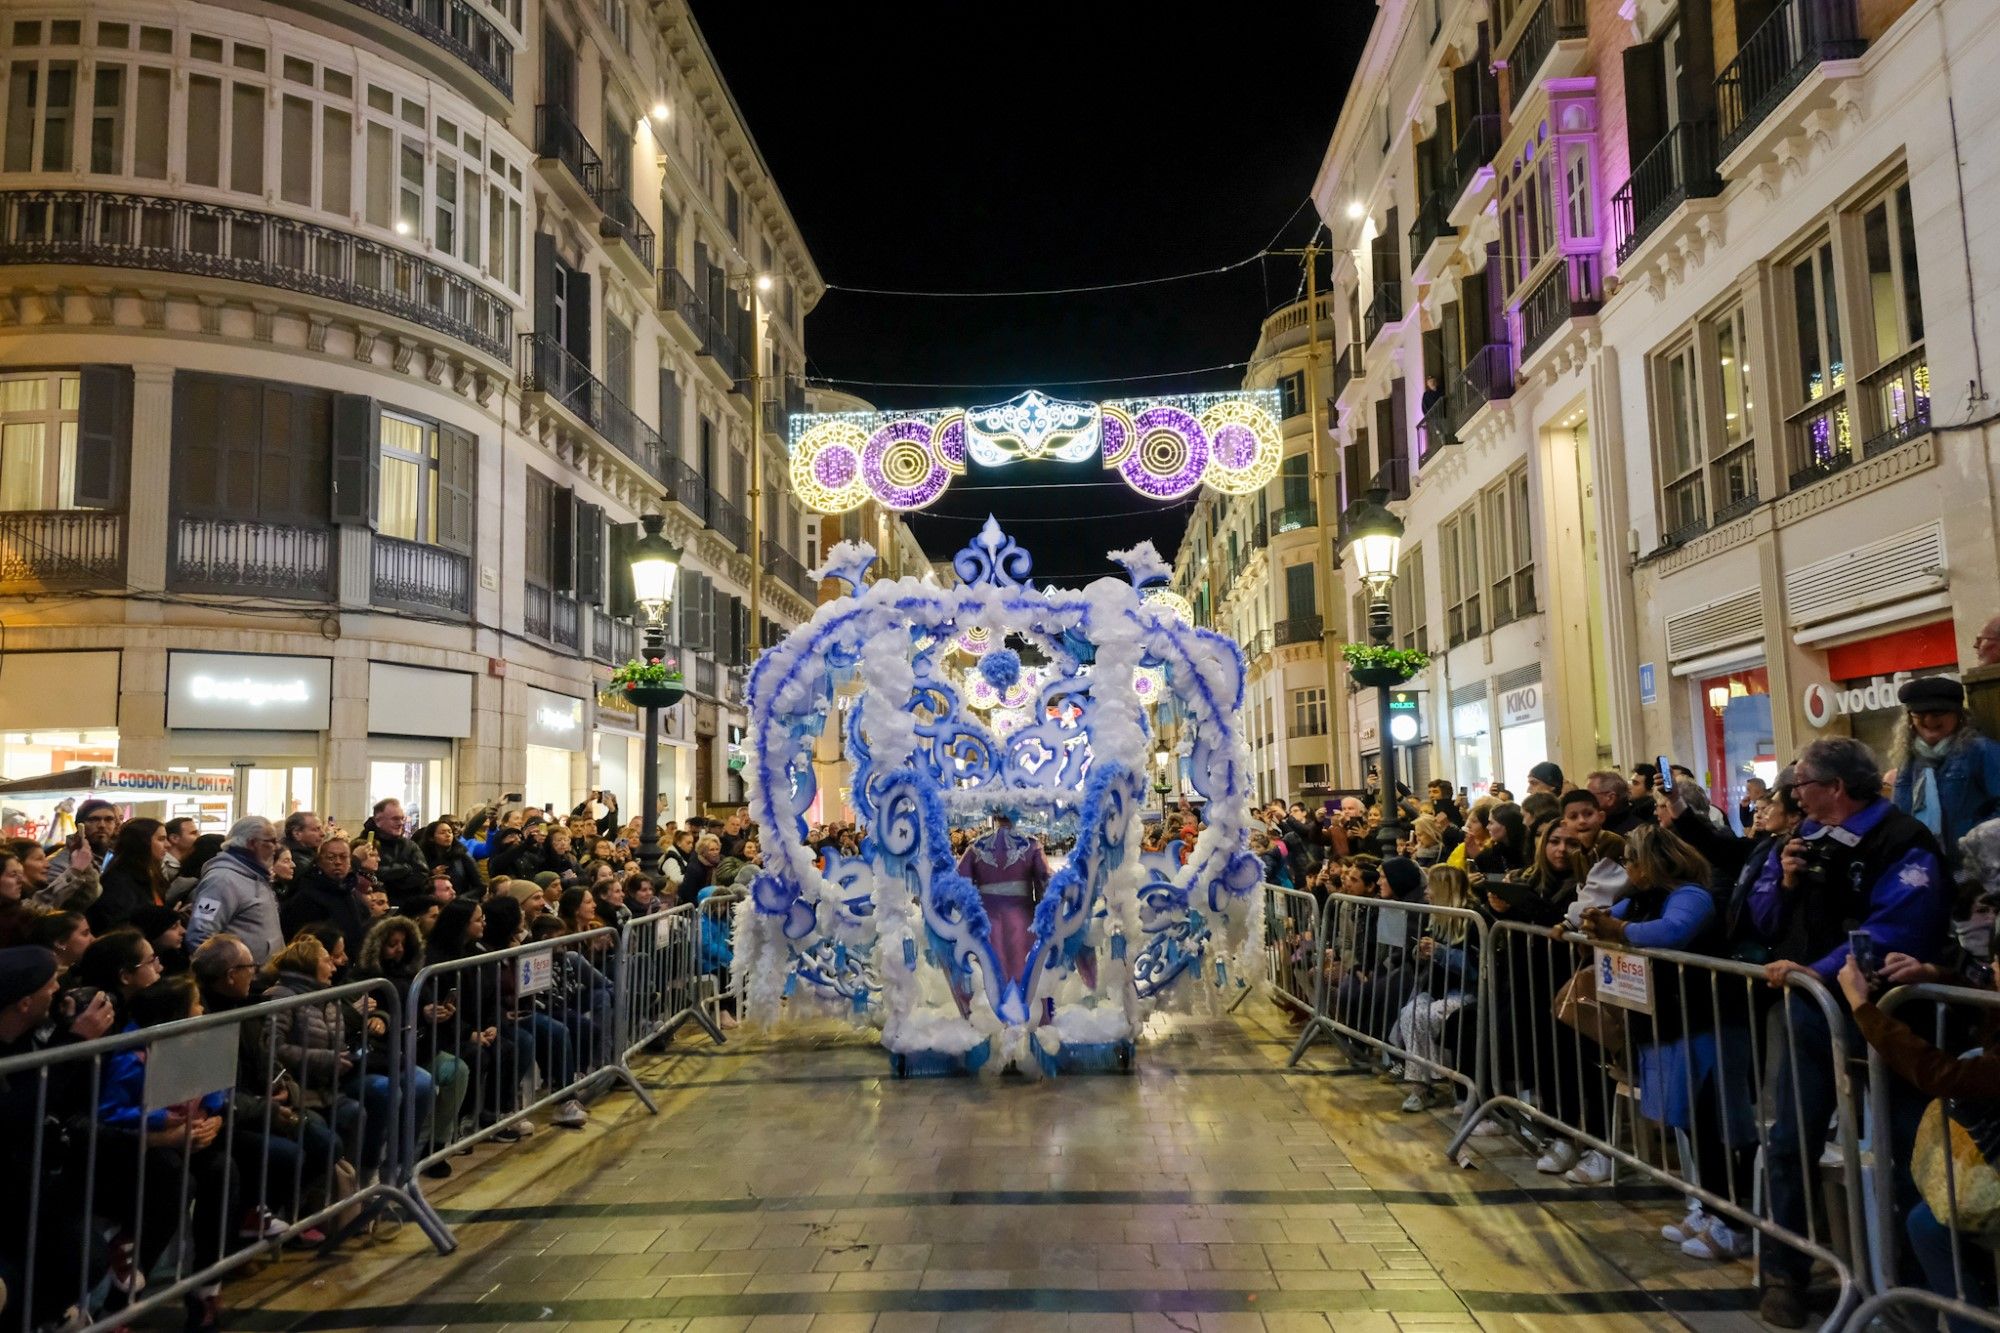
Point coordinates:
[(407, 496), (1898, 390), (1309, 712), (618, 358), (1681, 483), (1410, 608), (248, 449), (1705, 427), (1300, 602), (1295, 492), (41, 111), (38, 415), (1458, 558), (1822, 434), (732, 210), (1511, 556), (1292, 394)]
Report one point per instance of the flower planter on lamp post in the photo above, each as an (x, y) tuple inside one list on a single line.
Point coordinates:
[(651, 685)]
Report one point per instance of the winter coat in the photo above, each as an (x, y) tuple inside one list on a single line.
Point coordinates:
[(404, 873), (319, 897), (235, 898), (121, 1099), (1968, 785), (125, 889), (311, 1039), (460, 865)]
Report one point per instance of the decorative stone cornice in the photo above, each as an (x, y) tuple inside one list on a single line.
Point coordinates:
[(1712, 543), (1860, 478), (1568, 354)]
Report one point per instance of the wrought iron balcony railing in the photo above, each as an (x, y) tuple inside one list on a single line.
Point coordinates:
[(556, 136), (62, 548), (1433, 222), (240, 244), (1773, 60), (1298, 629), (786, 568), (623, 222), (1572, 287), (1898, 395), (247, 558), (1487, 378), (728, 521), (1553, 21), (548, 368), (678, 295), (458, 29), (1475, 150), (415, 576), (1293, 517), (1385, 309), (1680, 167)]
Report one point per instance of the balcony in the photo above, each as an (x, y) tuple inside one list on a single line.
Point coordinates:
[(1798, 37), (1572, 287), (678, 297), (548, 368), (612, 641), (1256, 646), (621, 222), (557, 138), (1433, 225), (1680, 167), (460, 31), (242, 558), (785, 567), (1487, 378), (1299, 629), (1346, 369), (415, 576), (1384, 310), (550, 615), (1474, 154), (240, 244), (728, 521), (780, 408), (1822, 440), (1291, 518), (61, 548), (1899, 402), (1553, 22), (1392, 478), (719, 347), (704, 677)]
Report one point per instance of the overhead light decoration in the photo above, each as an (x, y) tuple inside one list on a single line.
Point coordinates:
[(1161, 447), (1162, 595)]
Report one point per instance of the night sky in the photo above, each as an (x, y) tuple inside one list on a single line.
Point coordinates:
[(1003, 146)]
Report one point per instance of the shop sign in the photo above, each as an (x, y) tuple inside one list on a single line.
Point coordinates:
[(248, 692), (115, 780), (534, 972), (554, 721), (1521, 706), (1469, 719), (1823, 703), (1649, 689), (1625, 979)]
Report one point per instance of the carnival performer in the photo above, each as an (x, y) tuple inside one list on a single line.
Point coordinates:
[(1010, 873)]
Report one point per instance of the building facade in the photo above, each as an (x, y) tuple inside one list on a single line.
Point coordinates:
[(344, 344), (1608, 269)]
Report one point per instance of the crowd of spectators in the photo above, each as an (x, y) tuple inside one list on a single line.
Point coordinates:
[(1832, 854), (137, 923)]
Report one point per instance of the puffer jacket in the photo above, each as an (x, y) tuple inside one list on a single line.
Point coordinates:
[(312, 1040), (403, 873)]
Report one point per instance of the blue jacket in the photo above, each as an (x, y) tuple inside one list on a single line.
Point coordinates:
[(718, 949), (1968, 787), (122, 1095)]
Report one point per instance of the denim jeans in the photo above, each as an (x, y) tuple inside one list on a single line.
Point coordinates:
[(363, 1116), (1930, 1239)]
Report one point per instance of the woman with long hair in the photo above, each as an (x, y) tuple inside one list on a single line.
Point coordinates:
[(441, 847), (1507, 848), (136, 876), (1446, 970), (121, 964), (74, 890), (394, 952)]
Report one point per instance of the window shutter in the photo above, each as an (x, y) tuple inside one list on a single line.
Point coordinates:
[(618, 598), (103, 435), (1645, 99), (1399, 423), (590, 554), (702, 634), (545, 283), (670, 410), (357, 458), (579, 317), (562, 540), (458, 466)]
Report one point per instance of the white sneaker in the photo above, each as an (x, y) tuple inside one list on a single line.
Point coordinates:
[(1560, 1157), (1594, 1169), (1688, 1227), (570, 1115), (524, 1127), (1718, 1241), (1489, 1128)]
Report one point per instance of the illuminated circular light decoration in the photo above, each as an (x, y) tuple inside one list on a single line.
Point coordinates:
[(1171, 454), (1246, 443), (1161, 447), (826, 466), (975, 640), (1162, 595), (1149, 684)]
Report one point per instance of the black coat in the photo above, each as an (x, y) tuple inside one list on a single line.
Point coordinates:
[(318, 897)]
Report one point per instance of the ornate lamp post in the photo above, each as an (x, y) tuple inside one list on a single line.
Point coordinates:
[(1375, 540), (656, 565), (1162, 759)]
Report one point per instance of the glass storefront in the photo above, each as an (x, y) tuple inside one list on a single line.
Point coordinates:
[(1739, 740), (419, 784), (548, 781), (1472, 748)]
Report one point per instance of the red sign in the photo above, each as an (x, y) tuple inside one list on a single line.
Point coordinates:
[(1916, 649)]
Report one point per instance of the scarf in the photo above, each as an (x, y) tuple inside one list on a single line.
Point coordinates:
[(1924, 802)]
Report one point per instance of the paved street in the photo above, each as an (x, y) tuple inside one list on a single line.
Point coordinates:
[(792, 1185)]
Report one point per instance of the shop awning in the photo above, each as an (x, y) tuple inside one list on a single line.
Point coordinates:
[(108, 781)]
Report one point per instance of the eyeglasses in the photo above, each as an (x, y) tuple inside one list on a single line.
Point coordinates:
[(242, 967), (1799, 783)]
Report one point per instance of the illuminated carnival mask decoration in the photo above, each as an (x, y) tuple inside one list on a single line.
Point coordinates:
[(1161, 447)]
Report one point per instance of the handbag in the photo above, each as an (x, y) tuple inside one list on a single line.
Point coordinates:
[(1954, 1174), (1577, 1006)]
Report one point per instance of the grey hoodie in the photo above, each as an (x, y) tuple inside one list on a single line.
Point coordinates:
[(235, 897)]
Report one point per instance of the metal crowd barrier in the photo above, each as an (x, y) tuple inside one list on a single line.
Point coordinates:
[(1968, 1260), (1674, 1048), (1291, 918), (196, 1146), (661, 986), (1403, 980)]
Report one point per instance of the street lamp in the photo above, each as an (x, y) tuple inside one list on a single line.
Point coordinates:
[(1162, 759), (656, 567), (1375, 540)]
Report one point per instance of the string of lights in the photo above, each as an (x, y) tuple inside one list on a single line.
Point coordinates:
[(833, 381)]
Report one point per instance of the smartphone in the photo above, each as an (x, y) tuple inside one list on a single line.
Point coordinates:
[(1666, 777), (1862, 945)]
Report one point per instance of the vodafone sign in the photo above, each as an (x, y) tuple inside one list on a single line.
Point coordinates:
[(1823, 703)]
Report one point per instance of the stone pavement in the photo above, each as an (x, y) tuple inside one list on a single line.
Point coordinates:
[(792, 1184)]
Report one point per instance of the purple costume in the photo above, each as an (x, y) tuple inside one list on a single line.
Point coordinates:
[(1010, 873)]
